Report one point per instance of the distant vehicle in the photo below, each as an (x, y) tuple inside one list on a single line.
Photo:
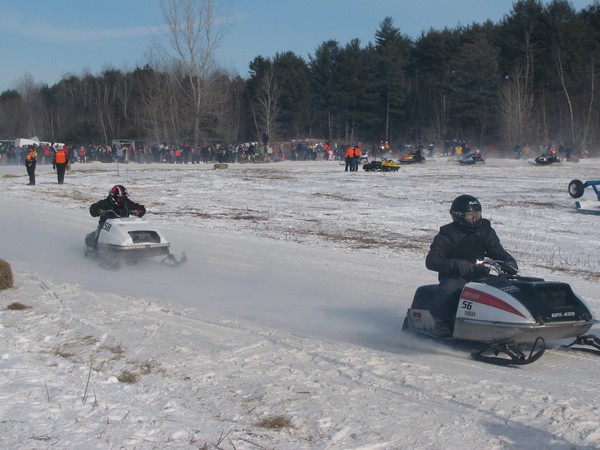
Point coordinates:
[(412, 158), (547, 159), (20, 142), (385, 165), (471, 158)]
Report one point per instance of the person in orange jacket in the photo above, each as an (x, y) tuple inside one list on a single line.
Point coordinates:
[(60, 162), (30, 163), (348, 158)]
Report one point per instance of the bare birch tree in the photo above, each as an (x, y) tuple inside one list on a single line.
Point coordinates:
[(195, 29), (514, 108), (30, 93), (265, 109)]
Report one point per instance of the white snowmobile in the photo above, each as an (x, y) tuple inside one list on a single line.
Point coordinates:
[(128, 239), (508, 318)]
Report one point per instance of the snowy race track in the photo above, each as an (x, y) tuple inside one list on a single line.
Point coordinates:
[(290, 306)]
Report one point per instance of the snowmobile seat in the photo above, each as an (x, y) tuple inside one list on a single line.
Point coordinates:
[(424, 296)]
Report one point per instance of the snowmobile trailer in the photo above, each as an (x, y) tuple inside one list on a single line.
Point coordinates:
[(576, 190), (508, 318)]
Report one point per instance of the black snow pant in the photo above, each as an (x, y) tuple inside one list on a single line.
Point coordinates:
[(60, 172), (445, 300), (31, 173)]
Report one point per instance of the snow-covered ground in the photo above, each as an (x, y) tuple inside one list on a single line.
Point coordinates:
[(283, 330)]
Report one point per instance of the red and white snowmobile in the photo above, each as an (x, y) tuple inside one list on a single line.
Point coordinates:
[(508, 318)]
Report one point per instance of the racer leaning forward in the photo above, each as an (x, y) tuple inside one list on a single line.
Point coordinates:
[(116, 204)]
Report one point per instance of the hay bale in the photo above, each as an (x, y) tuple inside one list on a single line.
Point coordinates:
[(221, 165), (6, 275)]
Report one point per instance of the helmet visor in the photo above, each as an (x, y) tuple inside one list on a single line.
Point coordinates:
[(473, 216)]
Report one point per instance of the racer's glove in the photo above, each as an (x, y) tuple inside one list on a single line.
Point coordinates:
[(463, 267), (510, 267), (53, 166), (136, 212), (481, 269)]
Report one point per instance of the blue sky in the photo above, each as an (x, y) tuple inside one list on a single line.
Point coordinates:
[(50, 38)]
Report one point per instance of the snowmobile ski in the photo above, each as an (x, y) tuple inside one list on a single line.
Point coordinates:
[(509, 354)]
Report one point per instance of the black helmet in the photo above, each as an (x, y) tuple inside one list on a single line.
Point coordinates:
[(117, 195), (462, 205)]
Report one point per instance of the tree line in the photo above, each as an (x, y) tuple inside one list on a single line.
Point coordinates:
[(528, 79)]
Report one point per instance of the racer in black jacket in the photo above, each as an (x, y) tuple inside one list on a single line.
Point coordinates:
[(453, 254), (117, 204)]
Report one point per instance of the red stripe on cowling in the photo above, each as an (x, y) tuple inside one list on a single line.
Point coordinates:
[(486, 299)]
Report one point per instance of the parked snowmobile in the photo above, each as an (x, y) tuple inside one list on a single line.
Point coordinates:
[(128, 239), (385, 165), (471, 158), (547, 159), (508, 318), (412, 158), (576, 190)]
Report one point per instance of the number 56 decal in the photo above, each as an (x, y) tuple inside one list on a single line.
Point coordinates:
[(466, 305)]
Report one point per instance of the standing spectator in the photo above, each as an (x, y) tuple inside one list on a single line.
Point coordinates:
[(349, 156), (568, 151), (120, 151), (518, 151), (205, 153), (46, 153), (30, 163), (356, 158), (60, 161)]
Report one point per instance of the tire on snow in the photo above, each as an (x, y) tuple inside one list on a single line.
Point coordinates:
[(576, 188)]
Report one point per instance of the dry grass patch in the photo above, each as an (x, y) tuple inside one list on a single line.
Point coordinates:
[(144, 368), (128, 377), (16, 306), (6, 275), (276, 422)]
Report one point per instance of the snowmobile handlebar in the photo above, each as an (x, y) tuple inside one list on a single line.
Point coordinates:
[(109, 213), (500, 267)]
